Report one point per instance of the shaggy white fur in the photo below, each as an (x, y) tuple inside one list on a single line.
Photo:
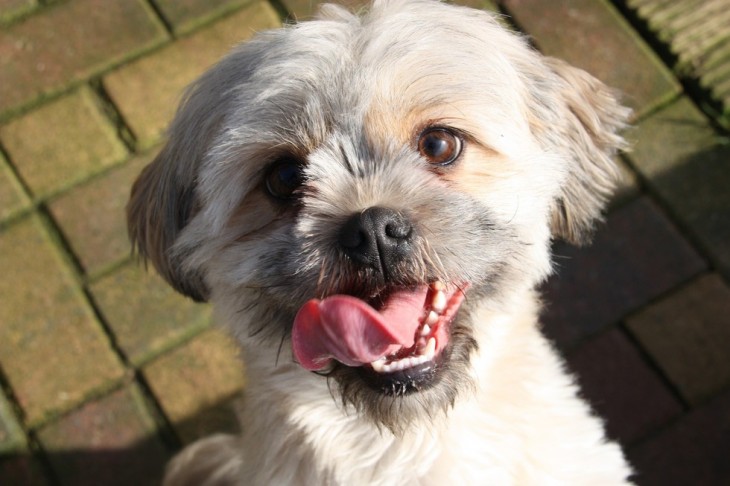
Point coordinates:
[(295, 137)]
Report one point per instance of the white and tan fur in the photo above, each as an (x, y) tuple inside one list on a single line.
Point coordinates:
[(347, 95)]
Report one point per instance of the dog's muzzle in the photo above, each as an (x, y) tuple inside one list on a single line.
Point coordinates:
[(396, 339)]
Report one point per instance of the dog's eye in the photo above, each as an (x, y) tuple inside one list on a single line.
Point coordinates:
[(439, 145), (284, 177)]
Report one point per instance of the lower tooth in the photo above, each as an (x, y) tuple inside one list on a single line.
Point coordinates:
[(378, 365), (426, 353), (432, 318)]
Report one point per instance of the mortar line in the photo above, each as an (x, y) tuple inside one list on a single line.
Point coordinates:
[(161, 17)]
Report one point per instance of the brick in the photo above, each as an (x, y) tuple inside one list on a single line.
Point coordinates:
[(628, 186), (22, 469), (301, 9), (590, 34), (68, 42), (687, 163), (147, 91), (17, 466), (13, 198), (696, 32), (62, 143), (186, 15), (145, 314), (622, 387), (305, 9), (112, 440), (479, 4), (54, 353), (692, 451), (12, 438), (92, 217), (635, 257), (195, 383), (688, 335)]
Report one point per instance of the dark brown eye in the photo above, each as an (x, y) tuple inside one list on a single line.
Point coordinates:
[(440, 146), (284, 177)]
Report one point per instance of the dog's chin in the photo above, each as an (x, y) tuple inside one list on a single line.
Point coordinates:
[(400, 398)]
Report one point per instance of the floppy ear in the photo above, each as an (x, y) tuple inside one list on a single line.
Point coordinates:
[(164, 197), (580, 120), (162, 202)]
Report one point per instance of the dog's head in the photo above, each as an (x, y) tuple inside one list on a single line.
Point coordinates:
[(358, 185)]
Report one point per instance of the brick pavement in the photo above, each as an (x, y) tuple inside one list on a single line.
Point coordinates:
[(98, 359)]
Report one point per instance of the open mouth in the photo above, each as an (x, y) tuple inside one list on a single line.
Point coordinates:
[(405, 332)]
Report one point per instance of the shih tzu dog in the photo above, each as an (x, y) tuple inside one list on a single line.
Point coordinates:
[(368, 202)]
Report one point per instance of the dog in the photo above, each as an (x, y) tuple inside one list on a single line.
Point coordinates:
[(368, 201)]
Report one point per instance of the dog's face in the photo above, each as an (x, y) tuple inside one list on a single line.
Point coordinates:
[(353, 189)]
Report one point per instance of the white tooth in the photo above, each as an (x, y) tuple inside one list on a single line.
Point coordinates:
[(439, 302), (378, 365), (430, 348), (432, 318), (438, 285), (426, 329)]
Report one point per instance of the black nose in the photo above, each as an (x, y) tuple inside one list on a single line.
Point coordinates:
[(377, 237)]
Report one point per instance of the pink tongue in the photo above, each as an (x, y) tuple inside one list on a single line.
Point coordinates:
[(349, 330)]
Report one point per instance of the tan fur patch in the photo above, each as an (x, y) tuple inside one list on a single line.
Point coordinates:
[(386, 124), (477, 169)]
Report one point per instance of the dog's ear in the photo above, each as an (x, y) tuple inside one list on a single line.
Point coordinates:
[(164, 198), (162, 202), (580, 120)]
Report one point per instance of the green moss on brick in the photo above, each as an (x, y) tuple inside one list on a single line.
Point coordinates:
[(195, 383), (67, 42), (92, 217), (111, 440), (590, 34), (12, 438), (13, 198), (54, 353), (186, 15), (11, 9), (145, 314), (147, 91), (62, 143)]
